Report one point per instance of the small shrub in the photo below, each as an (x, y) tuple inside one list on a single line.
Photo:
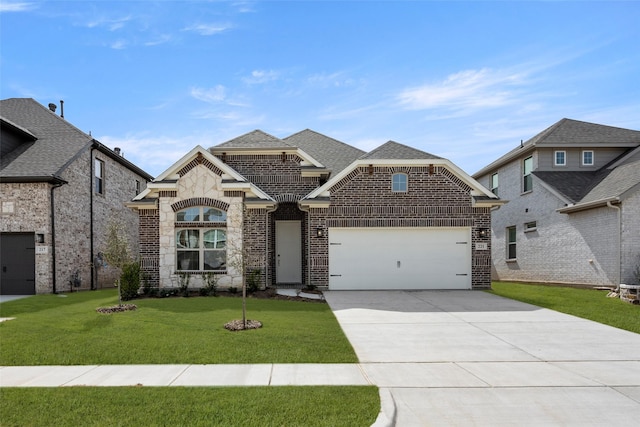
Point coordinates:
[(146, 284), (233, 289), (253, 280), (129, 281), (211, 284), (183, 280)]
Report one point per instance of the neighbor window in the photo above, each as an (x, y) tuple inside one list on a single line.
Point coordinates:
[(587, 158), (527, 168), (399, 183), (494, 184), (530, 226), (560, 158), (99, 176), (137, 185), (202, 243), (511, 243)]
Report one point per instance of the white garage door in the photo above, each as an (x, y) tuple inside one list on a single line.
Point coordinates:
[(399, 258)]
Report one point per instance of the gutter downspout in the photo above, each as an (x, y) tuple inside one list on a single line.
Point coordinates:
[(53, 234), (91, 176), (619, 256)]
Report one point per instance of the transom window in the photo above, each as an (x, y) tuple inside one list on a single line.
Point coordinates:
[(527, 179), (201, 214), (511, 243), (587, 158), (203, 245), (399, 183), (560, 158)]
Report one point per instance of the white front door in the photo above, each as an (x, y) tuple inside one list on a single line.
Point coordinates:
[(288, 252)]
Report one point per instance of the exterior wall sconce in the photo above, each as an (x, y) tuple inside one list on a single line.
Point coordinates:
[(39, 238), (284, 157), (320, 232), (370, 169), (483, 232)]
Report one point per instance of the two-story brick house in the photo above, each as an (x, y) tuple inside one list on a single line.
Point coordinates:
[(573, 214), (59, 188), (310, 210)]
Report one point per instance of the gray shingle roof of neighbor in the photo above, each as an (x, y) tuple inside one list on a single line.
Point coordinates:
[(333, 154), (395, 150), (570, 132), (57, 143), (620, 180), (57, 140), (572, 185), (253, 139)]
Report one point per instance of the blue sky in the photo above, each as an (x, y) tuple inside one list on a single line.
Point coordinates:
[(462, 80)]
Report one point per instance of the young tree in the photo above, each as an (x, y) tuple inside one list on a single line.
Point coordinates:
[(117, 251)]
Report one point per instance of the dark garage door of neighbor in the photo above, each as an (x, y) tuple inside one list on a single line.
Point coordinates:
[(17, 264)]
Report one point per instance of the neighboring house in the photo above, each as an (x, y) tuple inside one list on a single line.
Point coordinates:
[(59, 188), (308, 210), (574, 206)]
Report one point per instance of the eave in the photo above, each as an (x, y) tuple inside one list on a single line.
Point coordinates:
[(589, 205)]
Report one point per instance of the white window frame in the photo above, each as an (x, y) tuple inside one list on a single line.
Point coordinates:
[(564, 158), (399, 183), (511, 243), (193, 224), (527, 177), (98, 176), (593, 158), (494, 183), (530, 226)]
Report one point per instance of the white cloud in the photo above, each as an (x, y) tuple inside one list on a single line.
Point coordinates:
[(215, 94), (337, 79), (164, 38), (6, 6), (208, 29), (111, 24), (466, 90), (261, 76), (118, 44)]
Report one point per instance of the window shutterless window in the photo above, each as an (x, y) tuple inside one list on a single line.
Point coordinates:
[(137, 185), (527, 179), (511, 243), (494, 184), (202, 243), (530, 226), (98, 176), (399, 183), (560, 158), (587, 158)]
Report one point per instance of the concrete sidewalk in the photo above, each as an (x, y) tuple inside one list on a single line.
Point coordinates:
[(459, 358)]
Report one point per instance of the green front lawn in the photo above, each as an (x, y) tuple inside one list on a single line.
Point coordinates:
[(189, 406), (586, 303), (67, 330)]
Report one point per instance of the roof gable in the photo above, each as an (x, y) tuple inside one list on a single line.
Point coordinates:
[(395, 150), (254, 139)]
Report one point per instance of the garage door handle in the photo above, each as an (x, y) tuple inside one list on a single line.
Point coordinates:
[(4, 268), (335, 275), (463, 274)]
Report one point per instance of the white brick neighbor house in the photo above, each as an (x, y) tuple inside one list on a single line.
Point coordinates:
[(59, 188), (573, 211), (310, 210)]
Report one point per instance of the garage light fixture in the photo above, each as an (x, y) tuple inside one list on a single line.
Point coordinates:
[(320, 232), (39, 238), (483, 232)]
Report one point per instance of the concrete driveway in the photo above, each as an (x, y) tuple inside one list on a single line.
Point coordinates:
[(472, 358)]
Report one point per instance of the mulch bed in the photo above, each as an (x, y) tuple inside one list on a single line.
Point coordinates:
[(237, 325), (116, 308)]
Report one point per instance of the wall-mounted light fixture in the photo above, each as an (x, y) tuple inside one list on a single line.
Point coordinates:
[(370, 169), (483, 232), (39, 238), (320, 232), (284, 157)]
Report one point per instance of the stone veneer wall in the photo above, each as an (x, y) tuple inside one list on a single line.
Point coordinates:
[(435, 198), (25, 209), (198, 181)]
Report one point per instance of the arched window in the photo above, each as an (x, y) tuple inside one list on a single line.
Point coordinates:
[(201, 241), (399, 183)]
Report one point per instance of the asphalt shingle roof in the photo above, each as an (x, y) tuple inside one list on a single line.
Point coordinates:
[(572, 185), (57, 140), (333, 154), (395, 150), (616, 183), (254, 139)]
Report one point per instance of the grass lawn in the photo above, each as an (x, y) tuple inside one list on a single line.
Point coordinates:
[(189, 406), (57, 330), (586, 303)]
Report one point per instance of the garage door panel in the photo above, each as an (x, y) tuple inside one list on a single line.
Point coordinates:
[(399, 258)]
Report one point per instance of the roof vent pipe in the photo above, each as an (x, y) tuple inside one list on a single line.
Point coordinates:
[(62, 108), (52, 107)]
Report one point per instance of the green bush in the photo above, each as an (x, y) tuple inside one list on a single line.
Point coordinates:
[(253, 280), (130, 281), (211, 284)]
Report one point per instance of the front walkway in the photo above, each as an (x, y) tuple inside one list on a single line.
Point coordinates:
[(471, 358)]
